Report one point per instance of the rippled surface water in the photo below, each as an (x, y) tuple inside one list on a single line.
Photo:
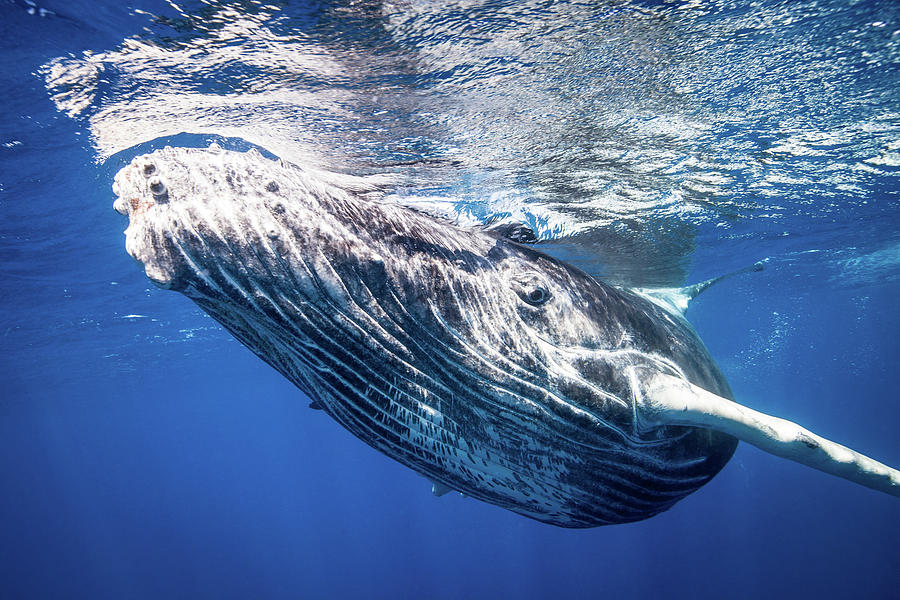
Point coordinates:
[(618, 127), (143, 453)]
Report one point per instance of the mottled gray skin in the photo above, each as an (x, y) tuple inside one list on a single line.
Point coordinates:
[(478, 362)]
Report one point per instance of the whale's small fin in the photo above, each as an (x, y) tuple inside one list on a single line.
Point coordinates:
[(676, 300), (668, 400), (439, 489), (512, 230), (316, 406), (692, 291)]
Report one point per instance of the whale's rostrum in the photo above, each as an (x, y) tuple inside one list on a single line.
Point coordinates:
[(488, 367)]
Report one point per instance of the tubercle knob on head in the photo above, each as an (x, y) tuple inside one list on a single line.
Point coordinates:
[(158, 189)]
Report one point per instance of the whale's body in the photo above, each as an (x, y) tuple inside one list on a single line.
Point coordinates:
[(486, 366)]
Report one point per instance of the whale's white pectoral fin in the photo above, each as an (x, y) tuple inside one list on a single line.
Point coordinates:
[(669, 400)]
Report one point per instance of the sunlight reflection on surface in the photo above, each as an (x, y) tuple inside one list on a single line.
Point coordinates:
[(618, 128)]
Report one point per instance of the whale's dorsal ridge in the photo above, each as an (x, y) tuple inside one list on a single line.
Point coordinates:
[(511, 229)]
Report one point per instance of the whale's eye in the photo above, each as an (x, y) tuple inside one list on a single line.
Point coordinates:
[(538, 296), (531, 288)]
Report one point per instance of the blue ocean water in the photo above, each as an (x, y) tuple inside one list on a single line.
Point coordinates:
[(144, 453)]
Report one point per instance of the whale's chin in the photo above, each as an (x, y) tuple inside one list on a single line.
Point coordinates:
[(154, 248)]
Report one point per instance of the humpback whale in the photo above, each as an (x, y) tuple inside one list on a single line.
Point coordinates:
[(483, 364)]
